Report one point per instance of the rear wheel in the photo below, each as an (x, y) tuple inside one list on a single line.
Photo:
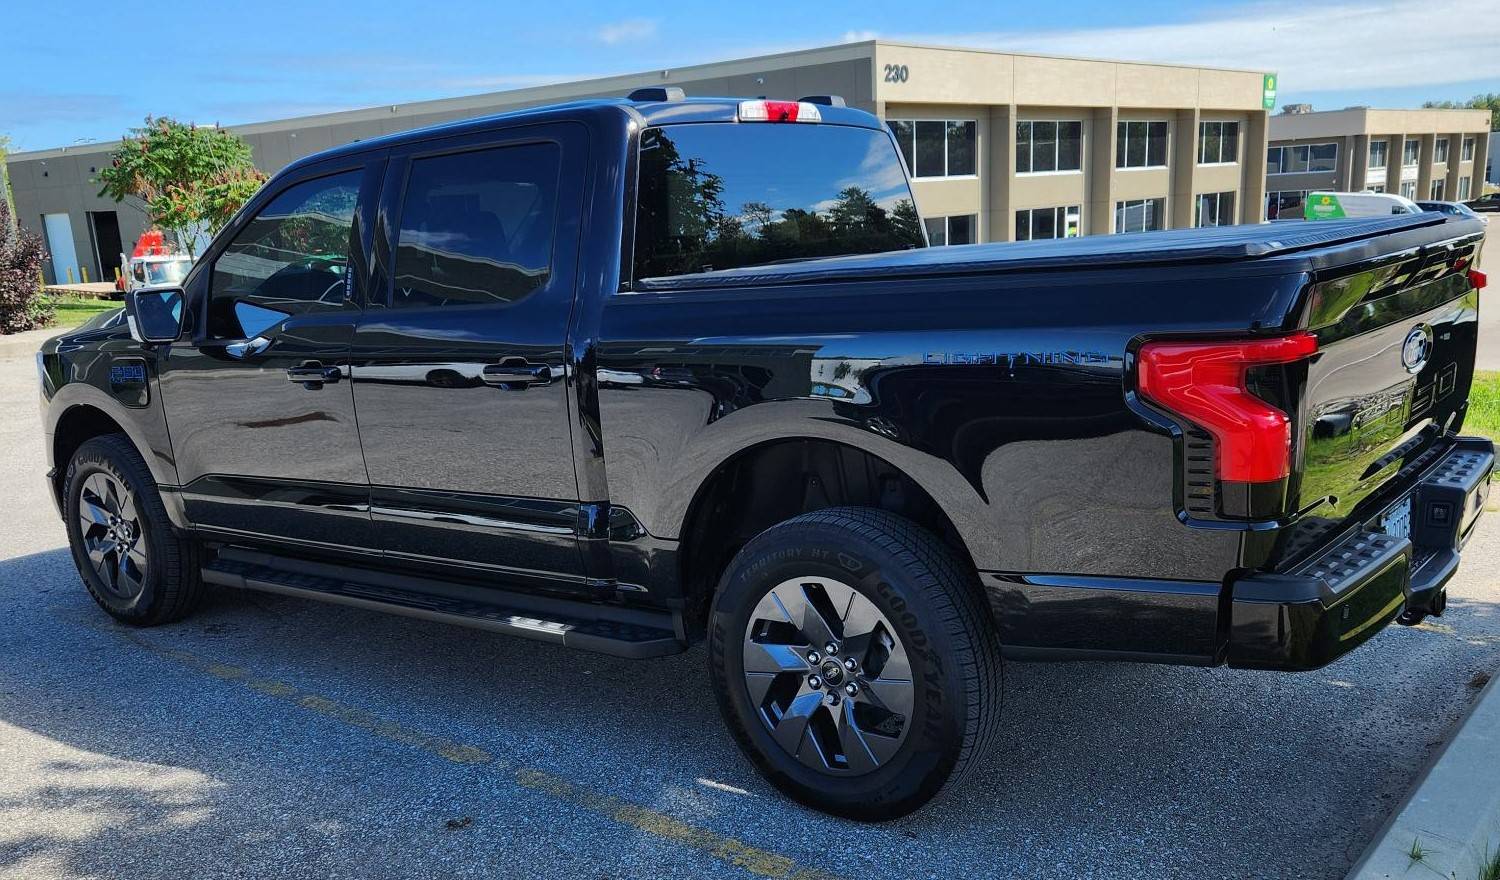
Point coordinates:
[(132, 562), (855, 662)]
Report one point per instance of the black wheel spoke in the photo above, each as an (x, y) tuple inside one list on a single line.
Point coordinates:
[(110, 528), (808, 648)]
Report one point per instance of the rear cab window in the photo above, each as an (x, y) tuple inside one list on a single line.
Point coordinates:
[(726, 195)]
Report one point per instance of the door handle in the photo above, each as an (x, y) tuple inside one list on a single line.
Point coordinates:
[(313, 374), (517, 373)]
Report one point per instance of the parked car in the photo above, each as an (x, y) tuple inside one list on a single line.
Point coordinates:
[(1454, 209), (1344, 205), (1486, 203), (153, 270), (630, 375)]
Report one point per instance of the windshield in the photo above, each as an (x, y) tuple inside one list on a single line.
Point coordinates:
[(167, 273), (719, 196)]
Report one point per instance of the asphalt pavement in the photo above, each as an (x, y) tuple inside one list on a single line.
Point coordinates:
[(274, 737)]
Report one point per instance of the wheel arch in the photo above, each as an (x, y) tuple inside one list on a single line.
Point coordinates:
[(772, 481), (79, 416)]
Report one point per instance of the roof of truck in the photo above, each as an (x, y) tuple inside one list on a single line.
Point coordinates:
[(644, 112), (1305, 245)]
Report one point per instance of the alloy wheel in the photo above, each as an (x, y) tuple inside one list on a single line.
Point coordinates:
[(112, 537), (828, 676)]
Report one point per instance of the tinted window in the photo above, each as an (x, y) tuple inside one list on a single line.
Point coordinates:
[(960, 148), (292, 257), (477, 227), (721, 195)]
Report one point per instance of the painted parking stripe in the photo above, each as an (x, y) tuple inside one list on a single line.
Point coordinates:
[(729, 850)]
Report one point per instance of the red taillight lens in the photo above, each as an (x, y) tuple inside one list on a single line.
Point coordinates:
[(761, 110), (1204, 382), (1478, 279)]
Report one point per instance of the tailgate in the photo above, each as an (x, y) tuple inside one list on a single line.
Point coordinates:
[(1396, 346)]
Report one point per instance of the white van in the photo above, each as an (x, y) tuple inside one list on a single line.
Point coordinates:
[(1338, 205)]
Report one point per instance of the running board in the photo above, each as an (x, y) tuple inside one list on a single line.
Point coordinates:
[(604, 629)]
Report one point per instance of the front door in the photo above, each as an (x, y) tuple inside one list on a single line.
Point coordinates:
[(259, 402), (460, 373)]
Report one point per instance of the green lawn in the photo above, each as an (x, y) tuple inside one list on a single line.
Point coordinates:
[(1484, 406), (72, 310)]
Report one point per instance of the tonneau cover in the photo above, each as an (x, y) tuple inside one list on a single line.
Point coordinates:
[(1211, 244)]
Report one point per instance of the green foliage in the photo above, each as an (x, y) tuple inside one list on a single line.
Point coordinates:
[(22, 306), (189, 179), (1489, 101)]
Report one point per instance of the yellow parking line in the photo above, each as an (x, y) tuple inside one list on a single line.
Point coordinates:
[(729, 850)]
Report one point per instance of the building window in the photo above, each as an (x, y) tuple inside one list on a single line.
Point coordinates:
[(1411, 153), (1141, 145), (1218, 142), (958, 229), (1141, 215), (1039, 223), (1408, 189), (1048, 146), (937, 147), (1214, 209), (1285, 204), (1375, 188), (1436, 193), (1463, 189), (1379, 154), (1302, 159), (1440, 151)]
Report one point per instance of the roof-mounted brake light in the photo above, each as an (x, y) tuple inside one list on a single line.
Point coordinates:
[(779, 111)]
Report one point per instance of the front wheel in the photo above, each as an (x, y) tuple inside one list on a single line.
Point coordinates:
[(133, 563), (855, 662)]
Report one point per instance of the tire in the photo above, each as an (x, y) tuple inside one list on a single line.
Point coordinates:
[(113, 512), (883, 749)]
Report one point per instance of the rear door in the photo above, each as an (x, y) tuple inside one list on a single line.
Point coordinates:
[(460, 372), (258, 400)]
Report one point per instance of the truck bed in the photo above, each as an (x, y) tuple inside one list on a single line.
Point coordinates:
[(1308, 245)]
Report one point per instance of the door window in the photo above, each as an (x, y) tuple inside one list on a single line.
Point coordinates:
[(291, 258), (477, 228)]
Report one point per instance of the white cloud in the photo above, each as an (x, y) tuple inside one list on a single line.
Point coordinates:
[(1337, 45), (624, 31)]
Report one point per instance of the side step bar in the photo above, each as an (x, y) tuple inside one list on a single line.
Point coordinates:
[(600, 628)]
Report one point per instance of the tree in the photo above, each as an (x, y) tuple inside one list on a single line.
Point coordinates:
[(190, 180), (1489, 101), (5, 177), (22, 306)]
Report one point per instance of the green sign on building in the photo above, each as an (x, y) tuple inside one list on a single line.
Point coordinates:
[(1268, 91)]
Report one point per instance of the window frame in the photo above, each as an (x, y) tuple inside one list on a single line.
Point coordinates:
[(401, 180), (370, 165), (1218, 201), (1165, 207), (1122, 146), (1440, 152), (1466, 150), (911, 169), (1437, 189), (1056, 147), (1266, 206), (1385, 158), (1307, 169), (1219, 139), (1416, 161), (1058, 211), (1465, 188), (947, 221)]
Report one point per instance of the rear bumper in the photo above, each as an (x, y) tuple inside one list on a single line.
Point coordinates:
[(1329, 605)]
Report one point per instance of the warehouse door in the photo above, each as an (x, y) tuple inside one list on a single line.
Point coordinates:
[(105, 226)]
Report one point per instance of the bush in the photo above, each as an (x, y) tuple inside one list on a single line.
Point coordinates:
[(22, 305)]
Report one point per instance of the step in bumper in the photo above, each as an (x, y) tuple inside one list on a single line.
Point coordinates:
[(1331, 604)]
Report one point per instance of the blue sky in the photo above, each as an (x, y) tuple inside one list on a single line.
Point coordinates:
[(88, 71)]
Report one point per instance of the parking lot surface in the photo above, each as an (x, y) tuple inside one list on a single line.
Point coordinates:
[(273, 737)]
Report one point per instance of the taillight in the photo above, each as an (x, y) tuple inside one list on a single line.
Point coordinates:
[(1478, 279), (1205, 383), (779, 111)]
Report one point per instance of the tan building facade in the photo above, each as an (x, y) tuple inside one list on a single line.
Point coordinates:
[(1421, 154), (1001, 146)]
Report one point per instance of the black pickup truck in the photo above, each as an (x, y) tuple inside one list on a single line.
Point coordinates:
[(627, 375)]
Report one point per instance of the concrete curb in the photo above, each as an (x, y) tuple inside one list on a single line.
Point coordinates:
[(24, 345), (1453, 811)]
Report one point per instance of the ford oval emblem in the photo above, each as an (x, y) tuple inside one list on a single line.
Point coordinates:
[(1417, 348)]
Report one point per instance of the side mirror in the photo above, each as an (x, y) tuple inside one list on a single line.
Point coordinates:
[(154, 316)]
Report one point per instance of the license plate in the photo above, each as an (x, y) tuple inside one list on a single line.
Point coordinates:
[(1397, 520)]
